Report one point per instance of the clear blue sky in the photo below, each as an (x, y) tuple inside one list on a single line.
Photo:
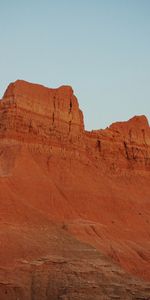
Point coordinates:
[(100, 47)]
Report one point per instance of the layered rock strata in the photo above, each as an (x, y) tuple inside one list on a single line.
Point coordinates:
[(74, 205)]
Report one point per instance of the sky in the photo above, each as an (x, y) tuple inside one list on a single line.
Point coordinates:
[(99, 47)]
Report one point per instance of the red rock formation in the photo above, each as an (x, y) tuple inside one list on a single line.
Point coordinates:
[(41, 111), (60, 184), (123, 144)]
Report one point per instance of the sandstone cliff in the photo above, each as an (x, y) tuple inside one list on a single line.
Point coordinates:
[(74, 209), (35, 114)]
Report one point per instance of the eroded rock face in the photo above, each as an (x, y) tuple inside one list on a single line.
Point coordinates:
[(36, 110), (36, 114), (74, 205), (124, 145)]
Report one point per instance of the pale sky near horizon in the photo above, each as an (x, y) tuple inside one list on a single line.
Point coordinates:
[(100, 48)]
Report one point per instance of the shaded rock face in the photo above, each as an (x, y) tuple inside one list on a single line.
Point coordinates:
[(74, 205)]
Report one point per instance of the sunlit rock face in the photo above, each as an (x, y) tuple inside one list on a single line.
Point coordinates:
[(74, 205), (40, 110)]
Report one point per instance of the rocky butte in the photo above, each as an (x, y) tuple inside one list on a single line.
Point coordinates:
[(74, 205)]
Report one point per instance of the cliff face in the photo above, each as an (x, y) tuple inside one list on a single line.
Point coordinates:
[(36, 114), (123, 144), (34, 109), (60, 184)]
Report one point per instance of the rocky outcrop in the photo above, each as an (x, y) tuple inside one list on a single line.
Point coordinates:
[(123, 145), (35, 114), (74, 205), (39, 111)]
